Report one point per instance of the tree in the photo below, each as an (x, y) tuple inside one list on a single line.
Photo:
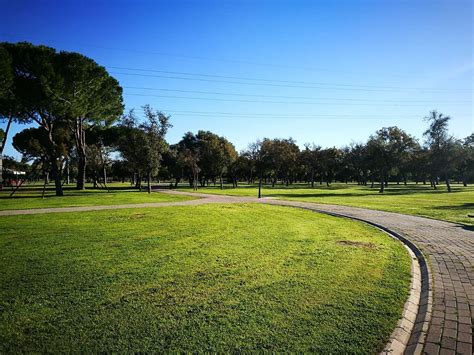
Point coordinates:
[(91, 98), (6, 97), (465, 159), (189, 156), (441, 146), (143, 145), (154, 144), (357, 156), (101, 142), (49, 87), (330, 162), (33, 144), (32, 95), (216, 155), (129, 143), (8, 102), (386, 150), (260, 153), (310, 158)]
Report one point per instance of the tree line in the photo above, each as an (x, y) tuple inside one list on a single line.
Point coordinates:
[(83, 134)]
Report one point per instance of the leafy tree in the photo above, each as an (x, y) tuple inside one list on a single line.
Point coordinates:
[(142, 145), (6, 96), (441, 146), (101, 142), (310, 158), (172, 169), (91, 98), (357, 157), (216, 155), (386, 149), (154, 144), (33, 95), (465, 159), (50, 87), (33, 144), (189, 156), (330, 162), (129, 143), (260, 153)]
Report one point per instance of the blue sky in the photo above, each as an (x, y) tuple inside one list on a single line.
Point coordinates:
[(329, 72)]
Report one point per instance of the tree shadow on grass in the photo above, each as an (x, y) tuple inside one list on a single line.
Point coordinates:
[(392, 190), (463, 206), (35, 192), (315, 195), (361, 193)]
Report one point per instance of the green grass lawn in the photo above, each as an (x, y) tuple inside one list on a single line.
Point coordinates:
[(29, 196), (202, 278), (413, 199)]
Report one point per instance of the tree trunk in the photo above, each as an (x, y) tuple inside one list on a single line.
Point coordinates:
[(2, 147), (149, 181), (447, 184), (54, 160), (382, 184), (221, 182), (138, 182), (80, 137), (260, 187), (68, 177), (81, 172), (312, 178), (105, 176), (56, 174)]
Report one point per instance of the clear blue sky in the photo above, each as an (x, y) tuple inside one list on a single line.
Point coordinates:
[(334, 71)]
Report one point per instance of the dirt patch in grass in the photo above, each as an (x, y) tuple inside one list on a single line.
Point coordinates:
[(352, 243)]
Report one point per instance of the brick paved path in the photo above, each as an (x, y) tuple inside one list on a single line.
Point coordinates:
[(450, 251), (449, 248)]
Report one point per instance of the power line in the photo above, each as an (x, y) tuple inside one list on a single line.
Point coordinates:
[(270, 84), (247, 62), (279, 81), (272, 102), (274, 115), (282, 96), (202, 58)]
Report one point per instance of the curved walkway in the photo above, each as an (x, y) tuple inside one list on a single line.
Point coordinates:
[(449, 248)]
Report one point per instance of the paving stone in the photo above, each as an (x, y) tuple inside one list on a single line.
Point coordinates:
[(464, 337), (464, 348), (448, 343), (431, 348)]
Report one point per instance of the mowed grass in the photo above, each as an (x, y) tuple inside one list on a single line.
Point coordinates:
[(29, 196), (202, 278), (413, 199)]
